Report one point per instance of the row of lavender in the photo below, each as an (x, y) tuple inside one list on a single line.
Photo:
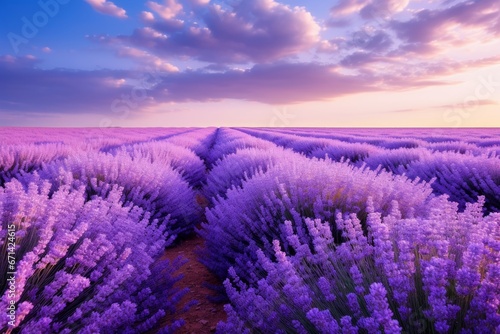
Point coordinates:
[(307, 244), (88, 218)]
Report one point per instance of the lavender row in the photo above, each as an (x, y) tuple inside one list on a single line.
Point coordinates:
[(199, 141), (179, 158), (85, 138), (15, 159), (228, 141), (83, 266), (233, 169), (152, 186), (251, 217), (410, 275), (316, 147), (383, 137)]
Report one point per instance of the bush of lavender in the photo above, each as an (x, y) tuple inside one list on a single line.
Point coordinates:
[(395, 143), (200, 141), (304, 145), (83, 267), (237, 167), (181, 159), (455, 146), (413, 275), (154, 187), (395, 161), (463, 177), (27, 158), (251, 217), (229, 141), (340, 151)]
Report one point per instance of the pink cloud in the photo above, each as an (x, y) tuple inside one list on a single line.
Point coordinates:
[(271, 84), (429, 25), (84, 91), (168, 11), (369, 9), (73, 92), (383, 9), (147, 16), (25, 88), (249, 31), (107, 8), (146, 59), (347, 7)]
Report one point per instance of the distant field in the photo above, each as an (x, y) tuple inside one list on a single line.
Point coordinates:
[(311, 230)]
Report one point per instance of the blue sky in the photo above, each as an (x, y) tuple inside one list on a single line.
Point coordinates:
[(250, 63)]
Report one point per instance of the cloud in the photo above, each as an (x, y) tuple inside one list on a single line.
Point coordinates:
[(273, 84), (25, 88), (347, 7), (147, 16), (107, 8), (73, 92), (359, 59), (249, 31), (199, 2), (77, 92), (168, 11), (371, 40), (146, 59), (473, 104), (383, 9), (369, 9), (432, 26)]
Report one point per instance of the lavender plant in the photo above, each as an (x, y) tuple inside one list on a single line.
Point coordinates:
[(15, 159), (251, 217), (235, 168), (395, 161), (154, 187), (199, 141), (409, 275), (181, 159), (463, 177), (318, 147), (229, 141), (83, 267)]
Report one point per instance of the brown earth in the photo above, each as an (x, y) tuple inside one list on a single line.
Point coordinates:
[(204, 316)]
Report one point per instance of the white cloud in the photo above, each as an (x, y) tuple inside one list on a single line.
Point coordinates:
[(107, 8), (168, 11)]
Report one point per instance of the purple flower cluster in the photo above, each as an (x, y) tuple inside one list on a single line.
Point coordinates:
[(237, 167), (152, 186), (181, 159), (462, 170), (252, 216), (15, 159), (228, 141), (200, 141), (411, 274), (84, 266), (463, 177), (317, 147)]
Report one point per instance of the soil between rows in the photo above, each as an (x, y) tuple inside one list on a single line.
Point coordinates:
[(204, 316)]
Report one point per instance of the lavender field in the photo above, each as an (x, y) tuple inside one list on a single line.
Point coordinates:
[(310, 230)]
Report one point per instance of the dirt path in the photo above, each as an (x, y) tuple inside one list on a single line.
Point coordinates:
[(203, 317)]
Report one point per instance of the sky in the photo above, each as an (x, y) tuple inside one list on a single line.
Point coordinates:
[(266, 63)]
